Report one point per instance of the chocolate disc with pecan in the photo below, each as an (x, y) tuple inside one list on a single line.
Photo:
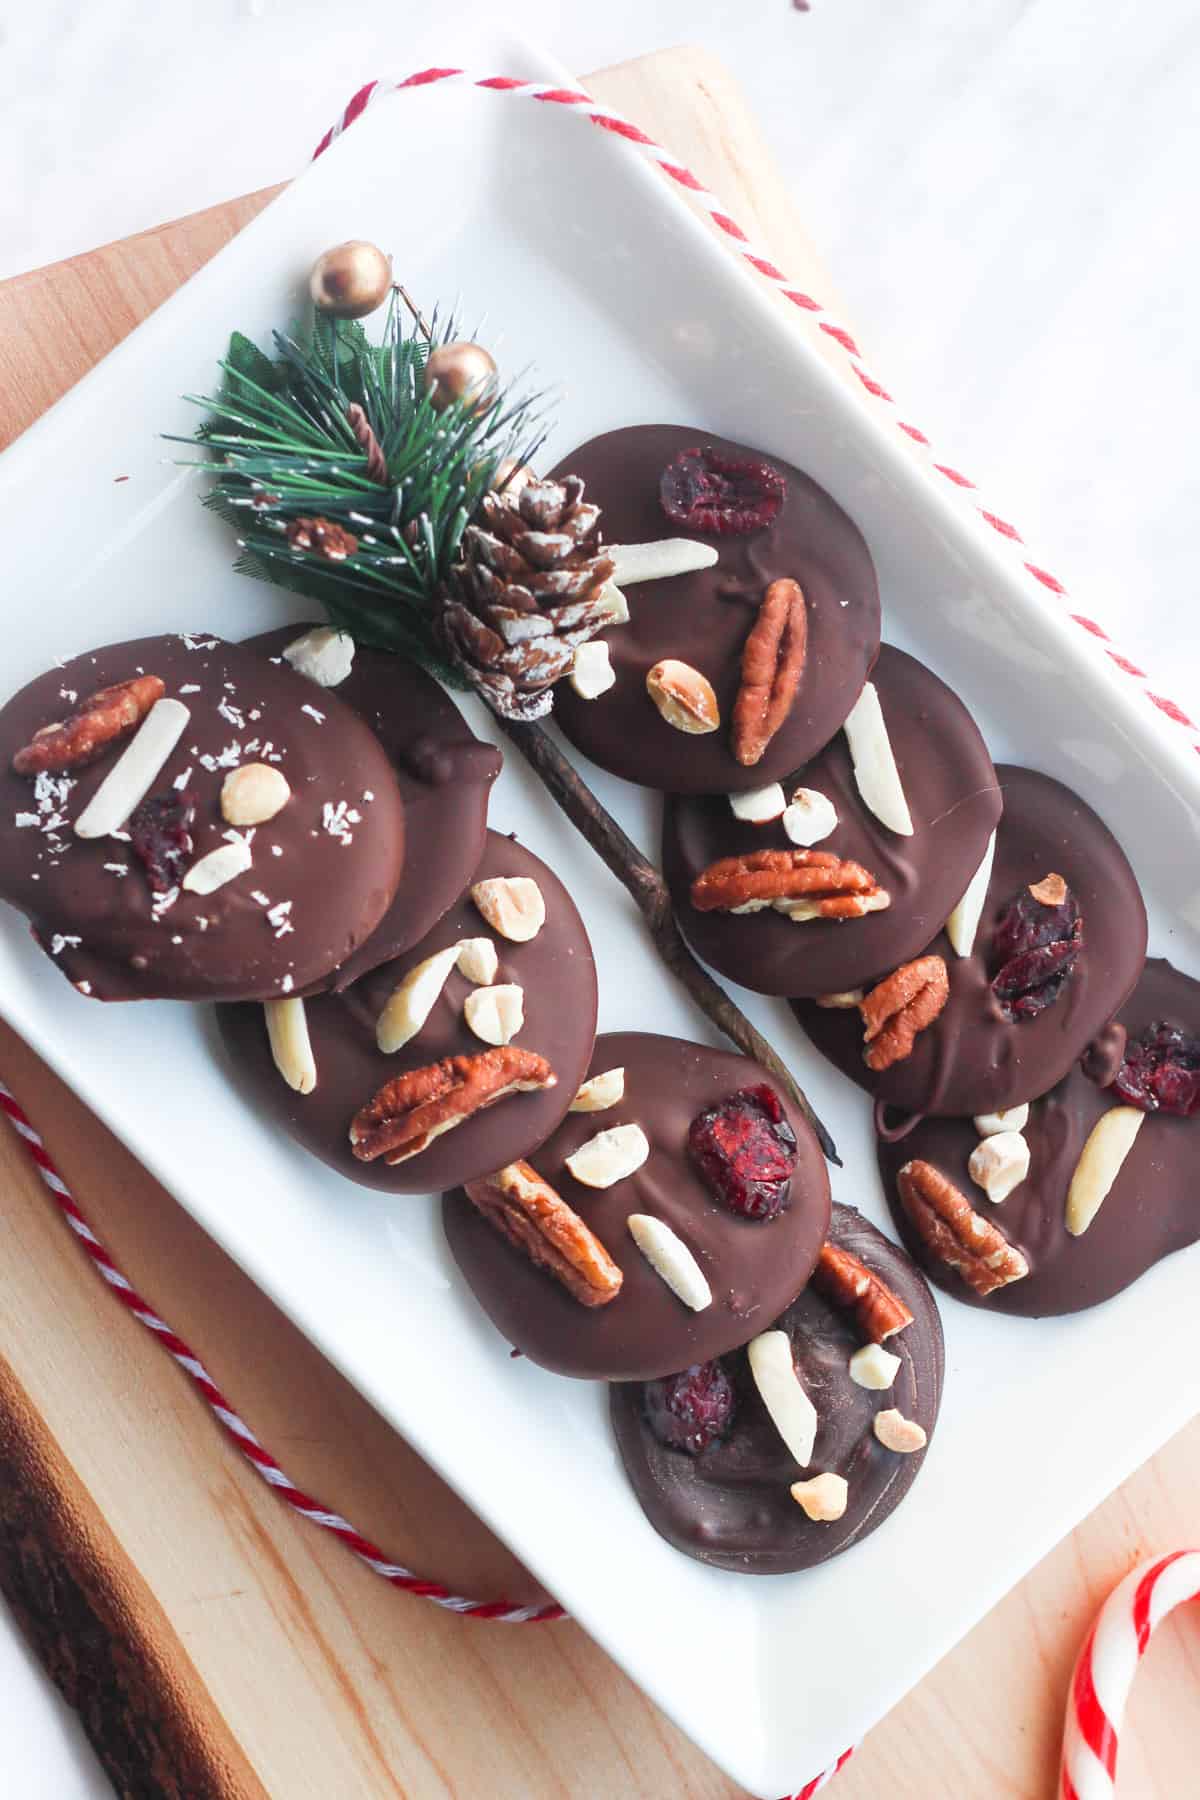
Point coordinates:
[(781, 692), (706, 1458), (444, 773), (954, 802), (182, 819), (447, 1062), (1059, 944), (727, 1190), (1093, 1186)]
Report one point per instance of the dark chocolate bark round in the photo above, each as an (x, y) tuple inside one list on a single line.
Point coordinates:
[(953, 797), (323, 869), (753, 1266), (1149, 1211), (972, 1059), (558, 978), (445, 775), (704, 618), (731, 1505)]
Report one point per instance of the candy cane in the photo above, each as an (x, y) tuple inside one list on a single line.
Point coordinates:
[(1108, 1663)]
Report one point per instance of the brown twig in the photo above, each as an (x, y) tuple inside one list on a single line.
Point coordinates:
[(617, 850)]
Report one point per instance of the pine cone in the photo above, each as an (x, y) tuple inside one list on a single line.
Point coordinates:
[(526, 593)]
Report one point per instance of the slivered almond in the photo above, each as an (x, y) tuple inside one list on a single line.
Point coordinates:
[(1109, 1142), (659, 560), (132, 775), (783, 1394), (670, 1257), (208, 873), (291, 1047), (963, 922), (413, 999), (875, 771)]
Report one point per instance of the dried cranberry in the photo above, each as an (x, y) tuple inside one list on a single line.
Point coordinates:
[(691, 1410), (160, 832), (1035, 946), (709, 492), (746, 1151), (1161, 1071)]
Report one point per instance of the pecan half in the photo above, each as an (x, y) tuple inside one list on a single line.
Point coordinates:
[(323, 538), (807, 884), (955, 1233), (104, 717), (848, 1282), (899, 1007), (538, 1221), (412, 1109), (772, 664)]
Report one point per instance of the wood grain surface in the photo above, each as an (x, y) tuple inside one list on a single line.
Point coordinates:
[(254, 1643)]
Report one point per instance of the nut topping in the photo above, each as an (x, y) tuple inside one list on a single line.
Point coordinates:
[(897, 1433), (660, 560), (810, 817), (823, 1498), (783, 1393), (1013, 1118), (670, 1257), (1109, 1143), (804, 883), (963, 923), (601, 1092), (135, 770), (512, 905), (104, 717), (874, 1367), (592, 673), (683, 696), (324, 654), (955, 1233), (291, 1046), (412, 1109), (759, 806), (496, 1014), (875, 771), (253, 794), (477, 960), (899, 1007), (531, 1215), (999, 1163), (611, 1156), (412, 1000), (210, 872), (848, 1282), (843, 1002), (772, 664)]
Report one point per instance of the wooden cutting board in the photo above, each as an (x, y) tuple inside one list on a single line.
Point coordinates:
[(218, 1646)]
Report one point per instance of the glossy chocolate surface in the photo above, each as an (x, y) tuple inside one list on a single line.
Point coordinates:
[(704, 618), (335, 886), (954, 799), (970, 1059), (445, 777), (555, 970), (753, 1267), (731, 1506), (1152, 1208)]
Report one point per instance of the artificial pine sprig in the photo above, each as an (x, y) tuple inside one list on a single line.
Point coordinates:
[(281, 445)]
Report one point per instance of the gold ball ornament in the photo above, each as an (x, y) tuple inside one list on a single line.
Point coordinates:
[(351, 280), (459, 371)]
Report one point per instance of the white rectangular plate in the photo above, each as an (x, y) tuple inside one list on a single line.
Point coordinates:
[(609, 285)]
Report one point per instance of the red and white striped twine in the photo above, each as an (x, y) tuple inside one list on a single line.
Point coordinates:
[(506, 1612), (576, 100), (1108, 1663)]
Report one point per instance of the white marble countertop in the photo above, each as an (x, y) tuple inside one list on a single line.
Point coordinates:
[(1002, 191)]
